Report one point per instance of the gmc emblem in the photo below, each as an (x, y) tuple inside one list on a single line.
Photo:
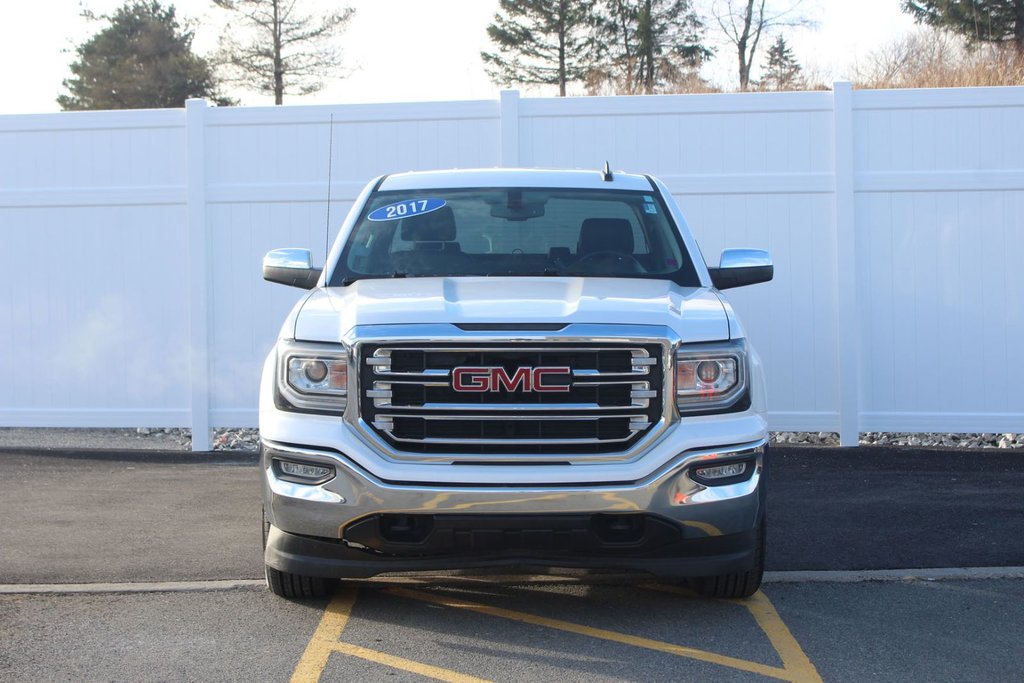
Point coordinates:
[(498, 379)]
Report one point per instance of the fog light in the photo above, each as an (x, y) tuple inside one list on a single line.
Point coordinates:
[(308, 473), (734, 469)]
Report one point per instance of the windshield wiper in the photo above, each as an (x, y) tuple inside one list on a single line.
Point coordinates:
[(350, 279), (547, 272)]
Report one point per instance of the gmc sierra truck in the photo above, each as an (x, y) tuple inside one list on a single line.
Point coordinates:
[(513, 368)]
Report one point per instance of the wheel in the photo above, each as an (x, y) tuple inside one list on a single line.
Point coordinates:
[(293, 586), (736, 584)]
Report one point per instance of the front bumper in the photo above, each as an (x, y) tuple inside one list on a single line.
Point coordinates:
[(695, 530)]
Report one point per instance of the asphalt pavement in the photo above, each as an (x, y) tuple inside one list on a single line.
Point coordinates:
[(902, 631), (184, 520), (87, 516)]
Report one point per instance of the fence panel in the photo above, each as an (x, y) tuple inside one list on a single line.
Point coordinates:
[(93, 316), (133, 294), (940, 193)]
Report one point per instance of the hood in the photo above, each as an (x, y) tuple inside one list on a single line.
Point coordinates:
[(329, 314)]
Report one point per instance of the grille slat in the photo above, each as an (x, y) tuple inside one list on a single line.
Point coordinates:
[(612, 396)]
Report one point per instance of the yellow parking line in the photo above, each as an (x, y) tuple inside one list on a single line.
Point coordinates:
[(636, 641), (792, 655), (406, 664), (794, 660), (325, 638)]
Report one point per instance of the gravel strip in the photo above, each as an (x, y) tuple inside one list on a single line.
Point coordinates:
[(912, 439), (242, 439)]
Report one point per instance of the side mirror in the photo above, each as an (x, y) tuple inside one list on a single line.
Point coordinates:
[(292, 267), (741, 267)]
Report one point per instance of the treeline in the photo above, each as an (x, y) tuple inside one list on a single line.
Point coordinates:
[(142, 57)]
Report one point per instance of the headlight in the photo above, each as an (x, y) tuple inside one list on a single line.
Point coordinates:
[(313, 376), (710, 376)]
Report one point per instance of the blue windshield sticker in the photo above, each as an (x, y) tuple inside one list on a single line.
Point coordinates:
[(410, 207), (649, 205)]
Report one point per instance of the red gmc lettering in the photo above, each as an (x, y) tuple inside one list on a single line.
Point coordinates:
[(538, 379), (471, 379), (498, 379), (501, 380)]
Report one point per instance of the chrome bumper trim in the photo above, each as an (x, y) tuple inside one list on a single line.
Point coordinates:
[(325, 510)]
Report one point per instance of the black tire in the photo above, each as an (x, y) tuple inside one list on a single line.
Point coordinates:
[(735, 584), (296, 586), (293, 586)]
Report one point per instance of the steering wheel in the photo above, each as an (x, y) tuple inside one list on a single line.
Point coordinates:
[(609, 261)]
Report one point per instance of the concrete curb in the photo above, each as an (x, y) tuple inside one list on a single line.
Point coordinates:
[(927, 574), (877, 575)]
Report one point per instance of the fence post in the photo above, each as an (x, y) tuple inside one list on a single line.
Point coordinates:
[(846, 265), (508, 151), (198, 275)]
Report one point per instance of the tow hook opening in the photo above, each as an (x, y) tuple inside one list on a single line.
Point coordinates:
[(405, 528), (619, 528)]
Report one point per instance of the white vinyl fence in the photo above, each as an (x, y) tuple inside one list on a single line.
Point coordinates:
[(132, 240)]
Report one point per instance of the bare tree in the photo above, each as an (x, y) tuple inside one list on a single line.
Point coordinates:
[(939, 59), (283, 50), (744, 22)]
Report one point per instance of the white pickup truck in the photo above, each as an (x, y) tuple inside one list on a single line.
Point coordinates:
[(513, 368)]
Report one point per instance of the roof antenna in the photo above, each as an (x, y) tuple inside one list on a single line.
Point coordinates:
[(330, 167), (606, 173)]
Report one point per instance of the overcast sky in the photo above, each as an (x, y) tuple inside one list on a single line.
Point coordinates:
[(401, 50)]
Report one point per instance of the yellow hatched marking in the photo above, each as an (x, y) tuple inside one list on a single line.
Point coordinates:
[(625, 639), (406, 664), (314, 659), (792, 655), (794, 660), (326, 639)]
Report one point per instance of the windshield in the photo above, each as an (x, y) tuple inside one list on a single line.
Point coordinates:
[(515, 232)]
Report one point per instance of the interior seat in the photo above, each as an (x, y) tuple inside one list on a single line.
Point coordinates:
[(605, 234), (434, 249)]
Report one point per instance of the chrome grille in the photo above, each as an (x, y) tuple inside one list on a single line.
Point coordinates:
[(612, 397)]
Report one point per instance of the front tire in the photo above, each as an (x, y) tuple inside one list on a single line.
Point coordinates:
[(735, 584), (292, 586), (296, 586)]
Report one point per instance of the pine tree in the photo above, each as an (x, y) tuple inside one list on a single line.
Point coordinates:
[(783, 71), (546, 42), (651, 44), (980, 21), (142, 60)]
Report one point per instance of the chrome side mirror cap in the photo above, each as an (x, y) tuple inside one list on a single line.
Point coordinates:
[(741, 267), (292, 267)]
